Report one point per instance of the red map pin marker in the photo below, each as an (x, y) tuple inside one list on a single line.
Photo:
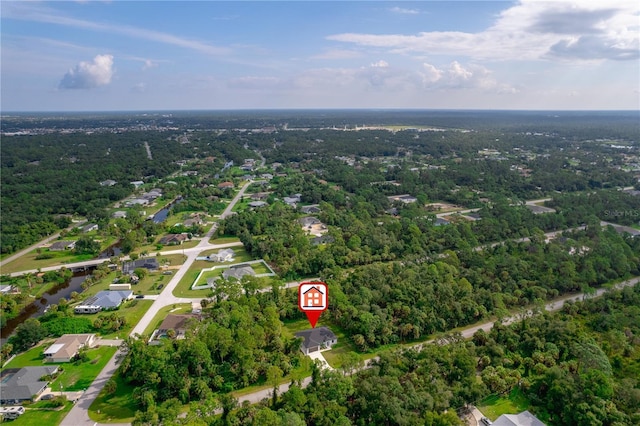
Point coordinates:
[(313, 299)]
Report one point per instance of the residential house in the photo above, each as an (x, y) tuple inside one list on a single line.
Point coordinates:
[(150, 263), (292, 200), (103, 301), (224, 255), (23, 384), (309, 221), (316, 339), (539, 209), (120, 214), (523, 419), (137, 183), (257, 204), (62, 246), (108, 182), (177, 323), (322, 239), (238, 271), (226, 185), (260, 196), (173, 239), (136, 202), (310, 209), (405, 198), (441, 222), (65, 348), (6, 289), (473, 216), (89, 227), (193, 221), (267, 176)]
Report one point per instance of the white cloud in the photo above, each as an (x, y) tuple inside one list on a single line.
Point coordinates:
[(531, 29), (337, 54), (87, 75), (35, 13), (380, 64), (382, 77), (404, 11)]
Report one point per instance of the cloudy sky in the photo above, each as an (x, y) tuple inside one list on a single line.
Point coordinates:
[(164, 55)]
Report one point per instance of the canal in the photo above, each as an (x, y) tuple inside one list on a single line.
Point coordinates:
[(53, 296)]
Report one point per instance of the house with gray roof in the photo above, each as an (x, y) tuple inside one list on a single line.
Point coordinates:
[(103, 301), (523, 419), (238, 271), (23, 384), (149, 263), (310, 209), (62, 246), (224, 255), (316, 339)]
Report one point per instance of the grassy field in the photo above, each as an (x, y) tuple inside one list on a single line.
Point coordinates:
[(117, 408), (32, 357), (496, 405), (224, 239), (77, 377), (28, 261), (132, 311), (35, 416), (183, 289)]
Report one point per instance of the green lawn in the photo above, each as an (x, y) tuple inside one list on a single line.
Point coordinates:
[(117, 408), (42, 417), (28, 261), (77, 377), (132, 310), (496, 405), (183, 289), (224, 239), (32, 357)]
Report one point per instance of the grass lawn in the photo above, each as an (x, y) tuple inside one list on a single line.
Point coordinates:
[(224, 239), (181, 308), (117, 408), (42, 417), (344, 345), (494, 406), (28, 261), (77, 377), (260, 268), (132, 310), (183, 289), (32, 357)]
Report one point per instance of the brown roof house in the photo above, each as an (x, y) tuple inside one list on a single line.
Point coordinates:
[(68, 346), (178, 323), (173, 239)]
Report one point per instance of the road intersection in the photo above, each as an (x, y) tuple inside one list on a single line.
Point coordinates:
[(79, 414)]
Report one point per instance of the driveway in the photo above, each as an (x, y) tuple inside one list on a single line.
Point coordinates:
[(317, 355)]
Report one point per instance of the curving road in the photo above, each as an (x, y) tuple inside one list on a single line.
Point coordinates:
[(79, 414)]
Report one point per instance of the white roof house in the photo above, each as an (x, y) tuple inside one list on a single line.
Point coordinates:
[(68, 346)]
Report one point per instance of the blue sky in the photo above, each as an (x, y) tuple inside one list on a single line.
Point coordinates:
[(164, 55)]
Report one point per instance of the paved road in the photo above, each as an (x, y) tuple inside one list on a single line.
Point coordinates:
[(38, 244), (79, 414)]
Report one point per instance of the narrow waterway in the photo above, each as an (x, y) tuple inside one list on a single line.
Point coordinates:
[(53, 296)]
